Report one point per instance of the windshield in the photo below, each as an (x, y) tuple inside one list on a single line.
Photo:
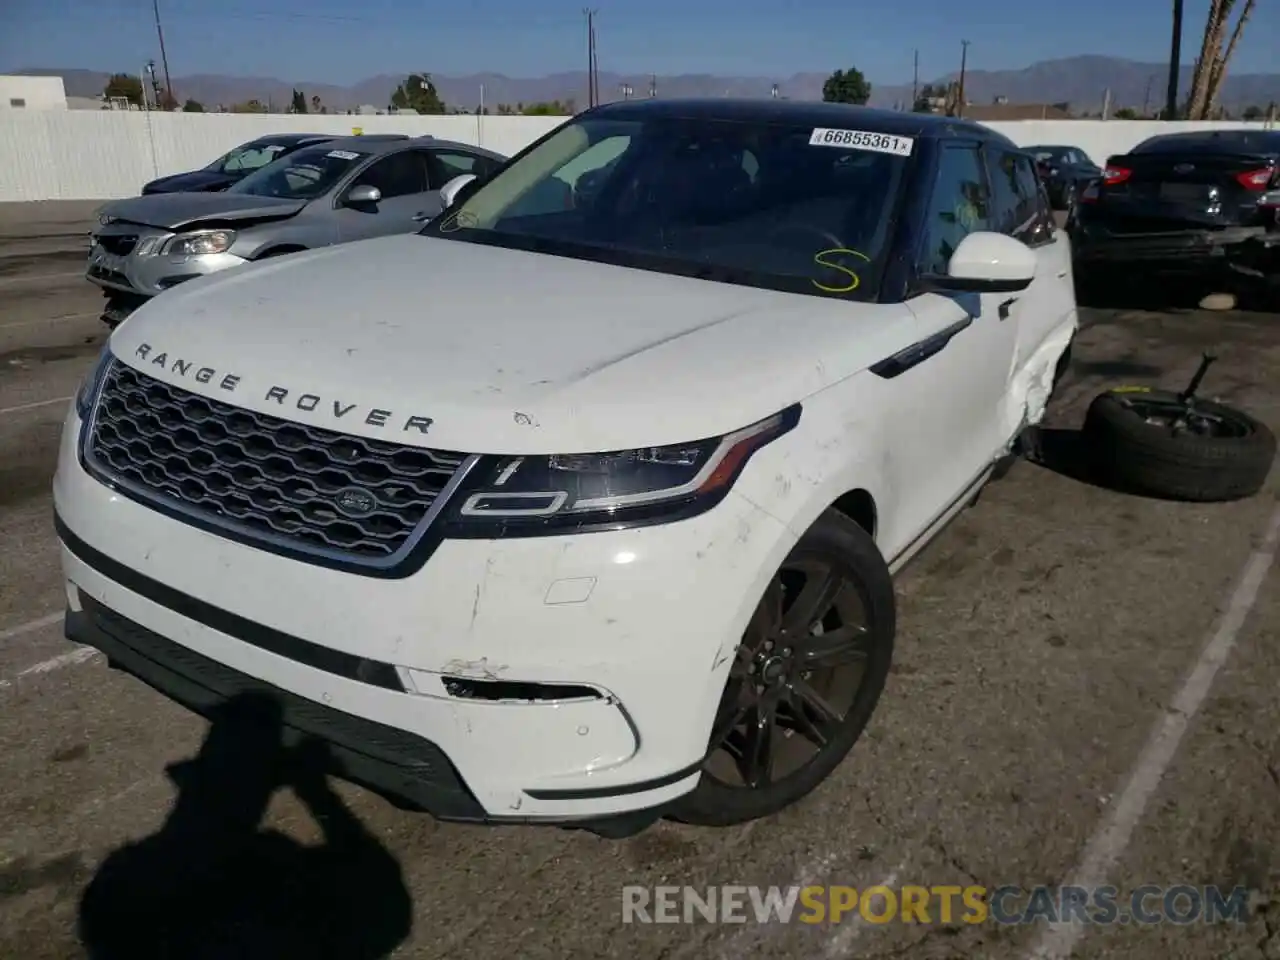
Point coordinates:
[(303, 175), (247, 156), (779, 206), (1057, 155)]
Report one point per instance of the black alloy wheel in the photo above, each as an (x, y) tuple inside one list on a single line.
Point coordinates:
[(805, 680)]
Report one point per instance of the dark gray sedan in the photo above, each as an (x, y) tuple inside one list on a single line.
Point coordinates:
[(342, 190), (1066, 171)]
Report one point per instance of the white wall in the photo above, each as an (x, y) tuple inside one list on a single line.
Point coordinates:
[(40, 93), (86, 155)]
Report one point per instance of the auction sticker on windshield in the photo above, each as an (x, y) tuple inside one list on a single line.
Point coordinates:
[(342, 154), (862, 140)]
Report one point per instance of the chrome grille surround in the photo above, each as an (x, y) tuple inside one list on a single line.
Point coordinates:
[(263, 480)]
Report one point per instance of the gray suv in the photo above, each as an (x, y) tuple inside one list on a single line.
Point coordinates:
[(345, 189)]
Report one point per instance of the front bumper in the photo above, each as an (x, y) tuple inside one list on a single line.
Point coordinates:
[(401, 766), (640, 623), (144, 274)]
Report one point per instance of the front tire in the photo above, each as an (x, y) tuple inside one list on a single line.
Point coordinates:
[(806, 678)]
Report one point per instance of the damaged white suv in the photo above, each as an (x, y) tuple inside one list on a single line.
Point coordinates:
[(582, 505)]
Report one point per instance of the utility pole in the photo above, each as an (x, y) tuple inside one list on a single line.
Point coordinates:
[(591, 56), (155, 84), (1146, 99), (964, 61), (593, 78), (164, 57), (653, 86), (1175, 63), (915, 81)]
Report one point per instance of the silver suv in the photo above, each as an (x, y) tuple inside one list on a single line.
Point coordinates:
[(345, 189)]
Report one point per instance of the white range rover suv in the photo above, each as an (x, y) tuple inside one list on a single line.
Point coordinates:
[(582, 505)]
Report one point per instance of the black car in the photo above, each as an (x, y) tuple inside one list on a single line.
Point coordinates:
[(1066, 172), (1204, 203), (236, 165)]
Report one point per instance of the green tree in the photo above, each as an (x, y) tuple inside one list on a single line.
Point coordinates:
[(249, 106), (1254, 112), (299, 104), (193, 106), (126, 86), (418, 93), (846, 86), (553, 108), (1126, 113)]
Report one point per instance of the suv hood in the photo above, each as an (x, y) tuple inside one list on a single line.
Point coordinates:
[(503, 351), (174, 211)]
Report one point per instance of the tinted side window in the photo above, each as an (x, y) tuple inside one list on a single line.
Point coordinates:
[(1005, 201), (450, 164), (1038, 224), (960, 205), (1015, 196), (398, 175)]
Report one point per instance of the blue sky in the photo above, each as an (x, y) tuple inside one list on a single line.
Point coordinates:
[(341, 41)]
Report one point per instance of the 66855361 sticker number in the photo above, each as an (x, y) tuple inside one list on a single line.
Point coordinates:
[(862, 140)]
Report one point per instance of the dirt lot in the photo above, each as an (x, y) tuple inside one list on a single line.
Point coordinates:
[(1044, 640)]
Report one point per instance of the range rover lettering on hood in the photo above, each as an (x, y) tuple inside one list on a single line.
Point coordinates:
[(285, 396)]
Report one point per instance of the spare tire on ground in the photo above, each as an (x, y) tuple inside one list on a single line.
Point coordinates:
[(1153, 442)]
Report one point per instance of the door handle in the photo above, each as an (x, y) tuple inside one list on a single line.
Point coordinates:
[(1004, 307), (420, 216)]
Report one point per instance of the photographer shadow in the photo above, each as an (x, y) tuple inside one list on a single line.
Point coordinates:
[(210, 884)]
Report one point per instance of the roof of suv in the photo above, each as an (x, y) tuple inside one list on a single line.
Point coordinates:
[(924, 125)]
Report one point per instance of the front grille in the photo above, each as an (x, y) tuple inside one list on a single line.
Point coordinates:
[(117, 244), (271, 479), (109, 276)]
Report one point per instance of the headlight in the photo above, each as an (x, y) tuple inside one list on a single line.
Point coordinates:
[(529, 495), (201, 242), (87, 395)]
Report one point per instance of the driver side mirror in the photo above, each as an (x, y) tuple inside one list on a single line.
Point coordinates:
[(455, 188), (363, 194), (986, 262)]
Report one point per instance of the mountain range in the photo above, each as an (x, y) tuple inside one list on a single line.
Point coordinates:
[(1080, 81)]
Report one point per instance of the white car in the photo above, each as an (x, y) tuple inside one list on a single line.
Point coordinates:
[(582, 506)]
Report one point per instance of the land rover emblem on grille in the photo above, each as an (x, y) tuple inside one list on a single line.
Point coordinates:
[(355, 503)]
